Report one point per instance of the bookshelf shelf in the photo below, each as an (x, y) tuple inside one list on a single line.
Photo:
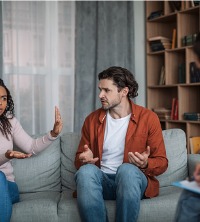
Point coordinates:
[(176, 62)]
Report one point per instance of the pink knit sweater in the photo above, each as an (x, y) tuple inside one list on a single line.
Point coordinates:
[(24, 142)]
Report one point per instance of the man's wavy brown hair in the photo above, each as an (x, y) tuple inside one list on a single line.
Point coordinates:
[(122, 78)]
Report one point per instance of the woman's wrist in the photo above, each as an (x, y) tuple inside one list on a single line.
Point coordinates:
[(53, 134)]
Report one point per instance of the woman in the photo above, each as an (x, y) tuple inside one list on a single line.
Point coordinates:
[(12, 132)]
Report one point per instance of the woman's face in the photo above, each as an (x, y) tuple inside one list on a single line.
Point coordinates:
[(3, 99)]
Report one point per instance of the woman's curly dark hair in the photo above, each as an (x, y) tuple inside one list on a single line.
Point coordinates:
[(5, 126), (122, 78)]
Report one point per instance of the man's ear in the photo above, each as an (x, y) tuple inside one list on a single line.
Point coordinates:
[(125, 91)]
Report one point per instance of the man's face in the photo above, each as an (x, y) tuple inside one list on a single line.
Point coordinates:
[(109, 95)]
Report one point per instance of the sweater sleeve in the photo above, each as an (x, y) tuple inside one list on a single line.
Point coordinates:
[(3, 159), (27, 143)]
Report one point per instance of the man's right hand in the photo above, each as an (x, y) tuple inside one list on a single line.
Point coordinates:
[(87, 156)]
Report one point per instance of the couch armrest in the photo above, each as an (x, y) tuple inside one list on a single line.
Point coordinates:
[(193, 159)]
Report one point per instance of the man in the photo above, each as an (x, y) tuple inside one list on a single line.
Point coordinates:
[(120, 152), (188, 208)]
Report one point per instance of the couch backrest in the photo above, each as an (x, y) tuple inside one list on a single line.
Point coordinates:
[(40, 172), (69, 145), (175, 143)]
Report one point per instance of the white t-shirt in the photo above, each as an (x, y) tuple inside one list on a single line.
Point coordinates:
[(114, 141)]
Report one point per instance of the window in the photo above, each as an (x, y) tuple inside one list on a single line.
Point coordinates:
[(38, 53)]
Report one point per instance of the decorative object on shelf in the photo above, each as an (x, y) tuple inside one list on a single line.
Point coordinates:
[(162, 76), (162, 113), (194, 73), (159, 43), (195, 145), (181, 73), (192, 116), (155, 14)]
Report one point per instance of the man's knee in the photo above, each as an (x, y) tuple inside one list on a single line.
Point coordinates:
[(127, 169), (86, 172)]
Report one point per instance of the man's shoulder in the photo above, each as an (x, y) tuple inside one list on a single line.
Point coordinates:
[(95, 115)]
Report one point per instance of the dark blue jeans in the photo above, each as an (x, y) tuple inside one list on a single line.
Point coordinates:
[(127, 187), (9, 194), (188, 209)]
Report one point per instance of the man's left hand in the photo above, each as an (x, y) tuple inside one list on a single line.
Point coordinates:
[(139, 159)]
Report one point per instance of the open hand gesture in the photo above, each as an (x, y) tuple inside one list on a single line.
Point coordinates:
[(87, 156), (139, 159), (58, 123), (10, 154)]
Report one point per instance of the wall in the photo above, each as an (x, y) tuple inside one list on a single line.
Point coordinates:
[(140, 63)]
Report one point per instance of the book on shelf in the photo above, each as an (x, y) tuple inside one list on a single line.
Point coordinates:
[(162, 112), (162, 76), (175, 117), (174, 109), (181, 73), (188, 40), (174, 39), (195, 145), (194, 73), (159, 38), (155, 14), (192, 116), (175, 5)]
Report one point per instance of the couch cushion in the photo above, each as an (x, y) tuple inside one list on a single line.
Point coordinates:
[(161, 208), (36, 207), (69, 145), (175, 144), (40, 172)]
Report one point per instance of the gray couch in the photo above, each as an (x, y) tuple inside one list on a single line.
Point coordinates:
[(46, 183)]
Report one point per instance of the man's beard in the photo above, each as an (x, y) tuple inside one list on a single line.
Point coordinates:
[(110, 106)]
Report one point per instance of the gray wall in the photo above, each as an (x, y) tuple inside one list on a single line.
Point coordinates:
[(139, 57)]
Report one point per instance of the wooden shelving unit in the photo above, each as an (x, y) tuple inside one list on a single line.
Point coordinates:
[(186, 22)]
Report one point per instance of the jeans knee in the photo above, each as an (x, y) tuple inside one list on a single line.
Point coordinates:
[(87, 172), (127, 169), (2, 178)]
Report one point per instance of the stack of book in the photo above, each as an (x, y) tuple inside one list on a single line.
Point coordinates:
[(159, 43), (162, 113), (191, 116)]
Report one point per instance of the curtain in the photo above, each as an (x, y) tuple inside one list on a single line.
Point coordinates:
[(104, 38), (1, 43), (38, 61)]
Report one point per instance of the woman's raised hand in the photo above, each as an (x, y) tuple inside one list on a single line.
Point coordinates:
[(58, 123)]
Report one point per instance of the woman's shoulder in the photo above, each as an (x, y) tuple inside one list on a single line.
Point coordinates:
[(13, 121)]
